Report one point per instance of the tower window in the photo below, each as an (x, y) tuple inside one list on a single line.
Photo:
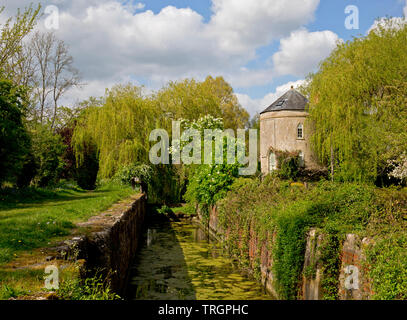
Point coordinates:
[(300, 131)]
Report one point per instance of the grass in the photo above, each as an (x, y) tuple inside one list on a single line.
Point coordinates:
[(20, 283), (15, 283), (185, 208), (33, 218)]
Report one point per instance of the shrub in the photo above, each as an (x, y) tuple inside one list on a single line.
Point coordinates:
[(313, 175), (28, 172), (162, 180), (331, 263), (47, 148), (7, 292), (94, 288), (86, 173), (14, 138), (288, 165), (387, 261), (126, 173), (165, 185), (165, 210), (292, 226), (210, 183)]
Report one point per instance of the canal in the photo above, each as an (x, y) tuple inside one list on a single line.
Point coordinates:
[(177, 261)]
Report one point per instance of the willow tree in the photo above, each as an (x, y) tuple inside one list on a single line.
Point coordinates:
[(119, 127), (186, 99), (190, 99), (358, 105), (233, 114)]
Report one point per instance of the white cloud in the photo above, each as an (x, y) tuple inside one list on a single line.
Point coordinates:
[(258, 105), (245, 78), (240, 25), (110, 40), (300, 53), (405, 10), (94, 88), (139, 6), (175, 42)]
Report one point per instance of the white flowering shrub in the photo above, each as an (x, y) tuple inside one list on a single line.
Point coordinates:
[(399, 168)]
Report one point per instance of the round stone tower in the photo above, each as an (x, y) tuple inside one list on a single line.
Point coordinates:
[(282, 128)]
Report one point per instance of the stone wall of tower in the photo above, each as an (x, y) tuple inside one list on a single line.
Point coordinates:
[(278, 131)]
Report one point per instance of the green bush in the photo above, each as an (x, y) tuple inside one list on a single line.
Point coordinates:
[(86, 173), (288, 165), (331, 263), (165, 186), (94, 288), (209, 184), (292, 226), (47, 148), (387, 261), (7, 292), (165, 210), (188, 209), (28, 172), (162, 180), (14, 138), (126, 173)]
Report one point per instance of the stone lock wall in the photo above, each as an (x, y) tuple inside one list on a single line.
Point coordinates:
[(110, 242), (353, 256), (261, 251)]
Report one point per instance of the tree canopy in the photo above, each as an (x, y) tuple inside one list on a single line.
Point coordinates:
[(358, 103), (12, 33), (119, 125), (14, 139), (191, 100)]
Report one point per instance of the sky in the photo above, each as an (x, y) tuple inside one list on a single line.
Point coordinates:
[(261, 47)]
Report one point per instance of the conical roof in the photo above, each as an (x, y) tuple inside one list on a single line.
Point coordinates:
[(291, 100)]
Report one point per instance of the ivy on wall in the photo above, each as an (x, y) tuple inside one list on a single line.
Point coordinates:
[(289, 211)]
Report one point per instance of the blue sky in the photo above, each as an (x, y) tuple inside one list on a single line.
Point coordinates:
[(261, 47)]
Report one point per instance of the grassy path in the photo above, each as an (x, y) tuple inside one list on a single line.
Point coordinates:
[(34, 218)]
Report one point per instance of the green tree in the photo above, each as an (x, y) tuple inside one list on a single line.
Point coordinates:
[(186, 99), (119, 126), (358, 106), (14, 138), (233, 114), (47, 149), (209, 183), (12, 33), (120, 123), (191, 100), (86, 173)]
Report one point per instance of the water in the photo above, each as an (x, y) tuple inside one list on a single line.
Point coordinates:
[(177, 261)]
